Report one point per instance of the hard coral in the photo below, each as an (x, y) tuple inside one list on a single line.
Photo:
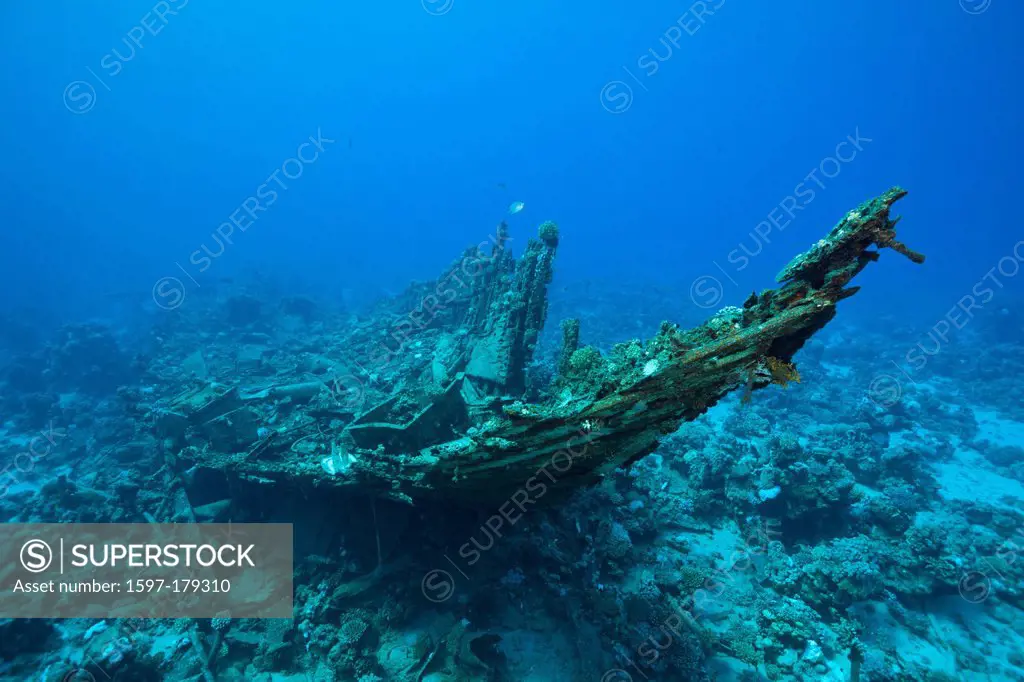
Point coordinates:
[(548, 233)]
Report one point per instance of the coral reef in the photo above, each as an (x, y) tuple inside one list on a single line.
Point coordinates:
[(734, 502)]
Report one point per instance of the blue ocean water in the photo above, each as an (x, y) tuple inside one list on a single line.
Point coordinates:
[(234, 188)]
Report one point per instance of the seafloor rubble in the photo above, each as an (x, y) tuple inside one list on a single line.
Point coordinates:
[(474, 500)]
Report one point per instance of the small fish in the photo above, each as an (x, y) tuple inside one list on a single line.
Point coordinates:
[(516, 207)]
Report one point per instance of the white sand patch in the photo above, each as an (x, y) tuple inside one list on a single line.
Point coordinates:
[(884, 631), (969, 476), (999, 430), (837, 371), (994, 631)]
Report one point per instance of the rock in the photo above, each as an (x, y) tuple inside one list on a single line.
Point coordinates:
[(812, 654), (788, 658), (214, 512)]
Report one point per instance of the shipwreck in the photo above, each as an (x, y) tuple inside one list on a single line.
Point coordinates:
[(432, 396)]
